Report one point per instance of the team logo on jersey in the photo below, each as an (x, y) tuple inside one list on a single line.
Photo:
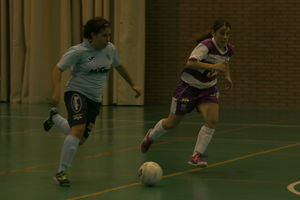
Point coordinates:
[(108, 57), (100, 69), (91, 58), (77, 116), (76, 103), (185, 100), (183, 104)]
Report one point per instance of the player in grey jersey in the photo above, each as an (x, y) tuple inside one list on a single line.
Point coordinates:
[(197, 89), (90, 62)]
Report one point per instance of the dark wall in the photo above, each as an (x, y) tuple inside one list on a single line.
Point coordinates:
[(266, 34)]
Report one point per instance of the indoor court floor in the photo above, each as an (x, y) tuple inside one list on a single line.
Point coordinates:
[(255, 154)]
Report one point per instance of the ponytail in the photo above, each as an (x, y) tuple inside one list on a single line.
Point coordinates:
[(205, 35), (208, 34)]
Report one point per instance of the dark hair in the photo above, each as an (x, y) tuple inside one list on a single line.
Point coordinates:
[(94, 25), (208, 34)]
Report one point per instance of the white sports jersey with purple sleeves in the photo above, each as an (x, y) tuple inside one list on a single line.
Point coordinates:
[(206, 51), (90, 68)]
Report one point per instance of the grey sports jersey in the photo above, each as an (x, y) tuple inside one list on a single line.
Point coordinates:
[(90, 68)]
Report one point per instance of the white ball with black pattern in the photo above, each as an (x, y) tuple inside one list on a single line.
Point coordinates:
[(150, 173)]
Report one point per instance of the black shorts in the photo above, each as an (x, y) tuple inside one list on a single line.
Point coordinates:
[(81, 110)]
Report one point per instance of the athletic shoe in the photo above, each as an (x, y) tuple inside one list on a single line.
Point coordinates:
[(197, 161), (48, 123), (146, 142), (62, 179)]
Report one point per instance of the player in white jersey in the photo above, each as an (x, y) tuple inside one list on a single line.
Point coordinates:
[(197, 89), (90, 62)]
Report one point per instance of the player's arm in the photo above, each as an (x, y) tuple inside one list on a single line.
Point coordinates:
[(56, 80), (70, 58), (125, 75), (229, 83), (198, 65), (197, 55), (227, 72)]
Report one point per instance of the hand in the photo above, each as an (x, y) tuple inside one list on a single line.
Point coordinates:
[(137, 91), (54, 100), (221, 66), (228, 83)]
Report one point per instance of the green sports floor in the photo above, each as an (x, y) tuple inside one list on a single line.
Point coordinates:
[(255, 154)]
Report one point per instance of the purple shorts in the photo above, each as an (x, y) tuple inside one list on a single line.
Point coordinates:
[(186, 98)]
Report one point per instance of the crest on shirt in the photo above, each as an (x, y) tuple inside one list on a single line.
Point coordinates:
[(76, 103), (91, 58)]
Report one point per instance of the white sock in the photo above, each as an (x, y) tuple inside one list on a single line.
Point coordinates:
[(68, 152), (204, 137), (61, 123), (157, 131)]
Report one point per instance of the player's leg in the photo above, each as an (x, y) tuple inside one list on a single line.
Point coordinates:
[(164, 125), (58, 120), (177, 111), (210, 112), (76, 105), (159, 129), (68, 152), (182, 104), (93, 110)]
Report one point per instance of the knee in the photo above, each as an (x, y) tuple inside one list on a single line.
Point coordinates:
[(169, 124), (82, 140), (78, 130), (212, 123), (86, 133)]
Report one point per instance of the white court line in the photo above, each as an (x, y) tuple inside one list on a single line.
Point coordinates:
[(97, 131), (21, 117), (184, 122), (41, 130), (32, 132), (262, 125), (21, 132), (62, 135), (291, 188)]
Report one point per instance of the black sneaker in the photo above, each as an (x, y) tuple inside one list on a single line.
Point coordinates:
[(48, 123), (62, 179)]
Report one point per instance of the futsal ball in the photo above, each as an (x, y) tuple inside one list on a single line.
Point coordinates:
[(150, 173)]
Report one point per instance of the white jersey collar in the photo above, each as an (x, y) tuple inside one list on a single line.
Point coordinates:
[(220, 50)]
